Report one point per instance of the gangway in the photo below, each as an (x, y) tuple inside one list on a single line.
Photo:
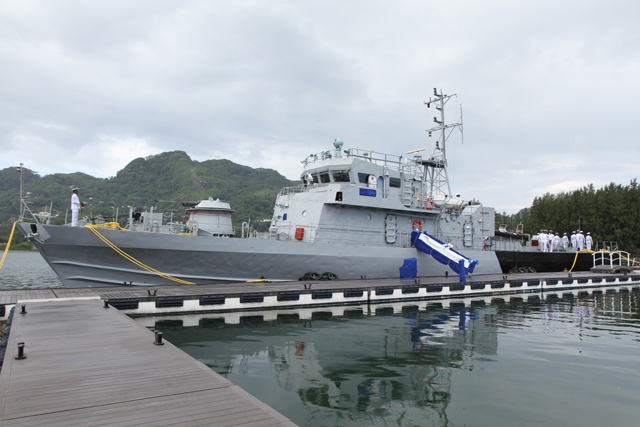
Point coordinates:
[(614, 262), (443, 253)]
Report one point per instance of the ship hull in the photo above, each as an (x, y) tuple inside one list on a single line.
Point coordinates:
[(544, 262), (81, 259)]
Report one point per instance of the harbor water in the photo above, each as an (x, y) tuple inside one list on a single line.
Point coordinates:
[(565, 359), (559, 360), (27, 270)]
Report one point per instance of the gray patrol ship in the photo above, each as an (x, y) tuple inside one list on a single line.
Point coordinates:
[(352, 217)]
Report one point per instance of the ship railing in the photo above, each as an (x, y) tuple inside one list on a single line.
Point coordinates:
[(317, 188), (291, 190), (506, 245), (390, 161), (613, 259), (607, 246)]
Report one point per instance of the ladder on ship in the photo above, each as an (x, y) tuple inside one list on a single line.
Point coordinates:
[(407, 192)]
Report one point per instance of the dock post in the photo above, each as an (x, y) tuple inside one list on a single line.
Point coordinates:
[(158, 340), (21, 354)]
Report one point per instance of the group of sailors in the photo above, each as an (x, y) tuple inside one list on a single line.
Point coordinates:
[(550, 242)]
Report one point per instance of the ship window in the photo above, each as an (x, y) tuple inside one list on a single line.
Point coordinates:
[(324, 177), (340, 176), (394, 182), (363, 178)]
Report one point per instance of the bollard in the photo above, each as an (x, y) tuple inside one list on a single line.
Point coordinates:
[(158, 340), (106, 303), (23, 309), (21, 354)]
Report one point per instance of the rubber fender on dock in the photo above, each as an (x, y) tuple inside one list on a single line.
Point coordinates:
[(384, 290), (169, 302), (212, 299), (353, 293), (288, 296), (322, 294), (124, 303), (410, 289), (252, 297)]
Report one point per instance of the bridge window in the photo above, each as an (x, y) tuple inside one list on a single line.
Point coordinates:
[(340, 176), (324, 177)]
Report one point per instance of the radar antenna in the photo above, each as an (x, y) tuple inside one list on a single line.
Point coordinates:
[(436, 165)]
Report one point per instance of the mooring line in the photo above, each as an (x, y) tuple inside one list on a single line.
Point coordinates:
[(131, 259)]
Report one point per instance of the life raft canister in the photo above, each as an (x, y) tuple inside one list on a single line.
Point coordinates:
[(428, 203), (417, 224)]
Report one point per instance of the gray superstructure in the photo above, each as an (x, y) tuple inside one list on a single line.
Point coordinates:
[(351, 217)]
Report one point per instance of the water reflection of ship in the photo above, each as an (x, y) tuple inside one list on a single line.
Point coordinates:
[(399, 355)]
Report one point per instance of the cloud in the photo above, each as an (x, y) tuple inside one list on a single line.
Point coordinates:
[(549, 91)]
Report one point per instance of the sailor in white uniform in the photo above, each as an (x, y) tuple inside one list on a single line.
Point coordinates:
[(574, 240), (589, 241), (556, 242), (75, 207), (580, 240), (565, 242), (543, 240)]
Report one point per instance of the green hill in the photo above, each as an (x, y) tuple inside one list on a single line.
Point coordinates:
[(161, 180)]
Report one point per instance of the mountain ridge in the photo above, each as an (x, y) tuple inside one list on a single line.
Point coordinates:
[(171, 176)]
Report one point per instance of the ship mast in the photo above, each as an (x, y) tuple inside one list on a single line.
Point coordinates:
[(436, 165)]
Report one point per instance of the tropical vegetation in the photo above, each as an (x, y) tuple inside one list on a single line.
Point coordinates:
[(610, 213)]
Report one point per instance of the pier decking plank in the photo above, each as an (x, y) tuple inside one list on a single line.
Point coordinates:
[(89, 365)]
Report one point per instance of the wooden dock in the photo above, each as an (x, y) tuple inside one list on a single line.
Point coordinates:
[(90, 365)]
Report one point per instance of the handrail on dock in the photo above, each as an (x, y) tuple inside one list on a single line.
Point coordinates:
[(613, 259)]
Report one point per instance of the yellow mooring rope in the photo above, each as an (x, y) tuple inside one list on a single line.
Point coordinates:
[(128, 257), (576, 257), (6, 250)]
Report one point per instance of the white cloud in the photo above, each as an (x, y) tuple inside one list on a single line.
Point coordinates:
[(549, 90)]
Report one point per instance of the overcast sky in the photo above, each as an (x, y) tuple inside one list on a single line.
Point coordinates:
[(550, 90)]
